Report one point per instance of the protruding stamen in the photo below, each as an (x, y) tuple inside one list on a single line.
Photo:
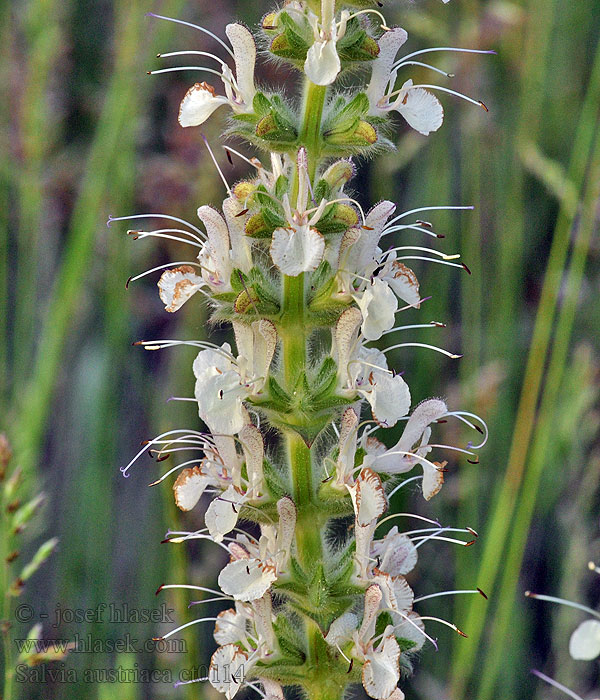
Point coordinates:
[(431, 324), (445, 622), (404, 483), (556, 684), (444, 593), (441, 48), (160, 267), (171, 54), (477, 103), (423, 345), (425, 65), (140, 235), (562, 601), (111, 219), (439, 253), (214, 160), (441, 207), (408, 515), (193, 26)]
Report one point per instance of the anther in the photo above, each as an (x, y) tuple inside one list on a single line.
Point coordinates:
[(466, 268), (244, 211), (128, 283), (474, 533), (482, 593), (483, 105)]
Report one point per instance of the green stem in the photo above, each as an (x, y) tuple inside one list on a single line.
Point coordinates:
[(294, 339)]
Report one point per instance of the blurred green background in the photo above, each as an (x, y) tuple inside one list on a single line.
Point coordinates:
[(85, 134)]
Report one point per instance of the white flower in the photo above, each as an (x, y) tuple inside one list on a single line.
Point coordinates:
[(323, 64), (381, 672), (247, 579), (388, 394), (378, 305), (359, 249), (178, 285), (299, 247), (228, 666), (584, 644), (368, 497), (220, 391), (420, 108), (395, 554), (231, 625), (256, 566), (201, 99), (412, 629), (407, 453), (220, 467), (223, 382), (215, 256), (189, 487), (223, 512)]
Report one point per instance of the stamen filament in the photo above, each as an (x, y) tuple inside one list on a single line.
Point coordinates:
[(422, 345), (194, 26), (562, 601)]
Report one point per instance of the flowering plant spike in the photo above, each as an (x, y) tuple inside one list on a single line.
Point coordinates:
[(296, 410)]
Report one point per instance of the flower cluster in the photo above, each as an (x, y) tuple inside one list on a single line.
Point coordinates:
[(301, 272)]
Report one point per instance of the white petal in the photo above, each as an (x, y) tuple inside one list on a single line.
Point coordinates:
[(287, 527), (364, 538), (322, 63), (247, 579), (347, 446), (380, 673), (264, 346), (263, 621), (244, 50), (176, 286), (363, 252), (584, 644), (405, 284), (189, 487), (396, 552), (345, 334), (230, 627), (369, 497), (397, 594), (218, 245), (412, 632), (241, 256), (420, 108), (378, 305), (389, 45), (254, 452), (223, 512), (341, 629), (373, 598), (272, 690), (226, 671), (398, 694), (199, 103), (433, 479), (297, 250), (220, 404), (389, 398), (424, 414)]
